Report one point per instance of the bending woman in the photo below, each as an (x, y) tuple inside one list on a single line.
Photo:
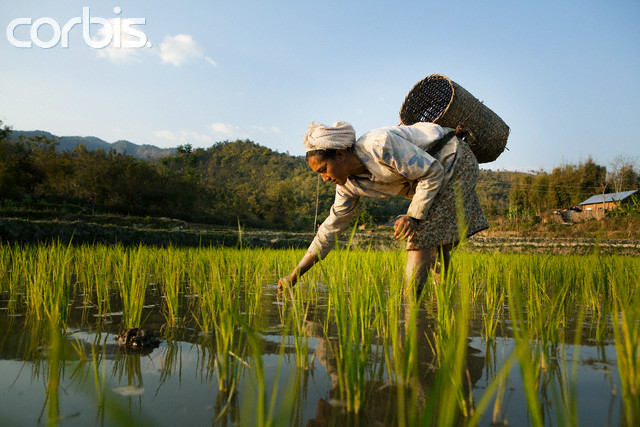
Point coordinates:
[(422, 162)]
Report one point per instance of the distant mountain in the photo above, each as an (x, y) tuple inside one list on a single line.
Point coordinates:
[(92, 143)]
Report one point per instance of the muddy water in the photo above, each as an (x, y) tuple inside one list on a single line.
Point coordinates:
[(96, 382)]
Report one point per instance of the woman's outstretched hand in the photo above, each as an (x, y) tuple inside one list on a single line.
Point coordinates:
[(305, 264), (287, 281), (405, 227)]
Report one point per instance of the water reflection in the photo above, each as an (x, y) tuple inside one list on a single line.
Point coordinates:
[(382, 396), (79, 375)]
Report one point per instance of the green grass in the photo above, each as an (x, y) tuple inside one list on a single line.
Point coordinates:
[(132, 279), (377, 338)]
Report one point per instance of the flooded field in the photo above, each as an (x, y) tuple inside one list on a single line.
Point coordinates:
[(507, 339)]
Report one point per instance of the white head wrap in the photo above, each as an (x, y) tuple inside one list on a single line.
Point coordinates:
[(337, 137)]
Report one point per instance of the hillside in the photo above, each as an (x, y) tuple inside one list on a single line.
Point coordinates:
[(92, 143), (242, 183)]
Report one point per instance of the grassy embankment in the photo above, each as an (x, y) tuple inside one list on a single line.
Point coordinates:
[(619, 235)]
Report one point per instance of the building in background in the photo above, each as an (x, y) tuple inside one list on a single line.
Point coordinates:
[(593, 207), (607, 201), (596, 206)]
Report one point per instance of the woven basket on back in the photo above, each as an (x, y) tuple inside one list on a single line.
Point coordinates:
[(438, 99)]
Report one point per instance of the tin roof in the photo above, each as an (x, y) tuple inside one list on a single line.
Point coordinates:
[(609, 197)]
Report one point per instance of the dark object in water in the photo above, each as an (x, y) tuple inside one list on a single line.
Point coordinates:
[(137, 338)]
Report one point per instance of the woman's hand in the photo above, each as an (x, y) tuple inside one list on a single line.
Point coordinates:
[(287, 281), (405, 227), (305, 264)]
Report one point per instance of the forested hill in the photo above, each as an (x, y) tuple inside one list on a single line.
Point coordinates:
[(242, 182), (227, 183), (91, 143)]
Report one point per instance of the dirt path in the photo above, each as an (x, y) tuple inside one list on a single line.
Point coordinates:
[(581, 246), (29, 231)]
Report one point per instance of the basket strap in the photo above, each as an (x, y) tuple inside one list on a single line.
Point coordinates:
[(441, 143)]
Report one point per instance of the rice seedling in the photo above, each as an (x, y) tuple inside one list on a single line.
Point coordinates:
[(528, 363), (132, 282), (15, 261), (352, 313), (260, 271), (626, 310), (450, 345), (173, 277), (565, 388), (229, 351), (48, 287), (81, 272), (488, 293), (399, 351), (102, 275), (99, 374), (405, 359), (5, 267), (492, 311), (55, 365), (219, 313), (355, 299), (263, 401), (294, 313)]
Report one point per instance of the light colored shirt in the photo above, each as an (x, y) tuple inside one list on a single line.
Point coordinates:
[(398, 164)]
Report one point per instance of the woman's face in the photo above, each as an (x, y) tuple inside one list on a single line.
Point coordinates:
[(333, 170)]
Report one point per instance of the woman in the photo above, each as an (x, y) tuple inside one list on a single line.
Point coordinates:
[(422, 162)]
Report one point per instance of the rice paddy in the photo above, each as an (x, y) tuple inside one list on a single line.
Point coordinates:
[(503, 339)]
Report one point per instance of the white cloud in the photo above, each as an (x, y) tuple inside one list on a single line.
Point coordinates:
[(176, 50), (214, 132), (211, 61), (228, 131), (193, 135), (184, 136), (180, 49), (167, 134), (225, 128)]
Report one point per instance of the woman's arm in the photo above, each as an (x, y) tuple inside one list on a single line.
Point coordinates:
[(338, 220), (303, 266)]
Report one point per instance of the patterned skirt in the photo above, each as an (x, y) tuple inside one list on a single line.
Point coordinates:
[(441, 226)]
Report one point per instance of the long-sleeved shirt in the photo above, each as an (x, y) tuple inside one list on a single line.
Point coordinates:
[(398, 164)]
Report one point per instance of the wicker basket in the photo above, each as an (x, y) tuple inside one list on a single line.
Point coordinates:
[(438, 99)]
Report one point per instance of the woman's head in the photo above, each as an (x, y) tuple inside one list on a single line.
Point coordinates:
[(337, 137), (329, 154), (328, 148), (331, 164)]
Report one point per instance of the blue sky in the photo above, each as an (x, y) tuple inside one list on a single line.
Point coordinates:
[(562, 74)]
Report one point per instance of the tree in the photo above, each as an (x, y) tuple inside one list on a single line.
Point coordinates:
[(493, 191), (4, 132), (591, 179), (20, 163), (538, 193), (622, 175), (519, 205)]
